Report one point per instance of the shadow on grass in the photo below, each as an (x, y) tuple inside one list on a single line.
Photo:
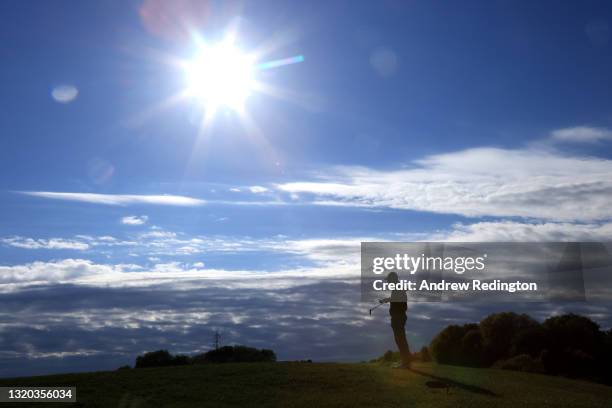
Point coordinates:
[(442, 382)]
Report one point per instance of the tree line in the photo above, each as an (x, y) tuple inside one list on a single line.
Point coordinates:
[(225, 354), (569, 345)]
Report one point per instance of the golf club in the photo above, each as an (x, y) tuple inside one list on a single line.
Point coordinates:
[(377, 306)]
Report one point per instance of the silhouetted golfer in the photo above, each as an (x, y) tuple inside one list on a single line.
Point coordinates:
[(397, 310)]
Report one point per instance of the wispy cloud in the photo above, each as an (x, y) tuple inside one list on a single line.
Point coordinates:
[(159, 234), (119, 199), (508, 231), (65, 270), (177, 274), (257, 189), (581, 134), (52, 243), (134, 220), (527, 182)]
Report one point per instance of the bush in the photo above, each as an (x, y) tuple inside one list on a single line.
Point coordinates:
[(390, 356), (522, 362), (160, 358), (235, 354)]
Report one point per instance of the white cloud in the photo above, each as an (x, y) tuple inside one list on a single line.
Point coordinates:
[(508, 231), (583, 134), (119, 199), (159, 234), (257, 189), (87, 273), (52, 243), (134, 220), (64, 93), (54, 271), (321, 259), (529, 183), (339, 250)]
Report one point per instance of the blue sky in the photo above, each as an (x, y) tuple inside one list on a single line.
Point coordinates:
[(477, 121)]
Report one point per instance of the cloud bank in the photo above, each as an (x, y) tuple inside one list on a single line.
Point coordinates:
[(527, 183)]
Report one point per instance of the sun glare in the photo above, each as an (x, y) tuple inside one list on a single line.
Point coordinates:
[(220, 76)]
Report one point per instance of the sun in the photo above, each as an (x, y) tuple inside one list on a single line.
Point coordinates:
[(220, 76)]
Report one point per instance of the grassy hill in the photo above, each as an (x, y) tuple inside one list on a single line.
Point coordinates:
[(321, 385)]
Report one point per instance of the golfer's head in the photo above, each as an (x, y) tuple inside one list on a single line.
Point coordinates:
[(392, 277)]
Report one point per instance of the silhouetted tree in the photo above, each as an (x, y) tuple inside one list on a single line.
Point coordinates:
[(160, 358), (574, 343), (472, 347), (569, 345), (449, 347), (500, 332), (530, 340), (235, 354)]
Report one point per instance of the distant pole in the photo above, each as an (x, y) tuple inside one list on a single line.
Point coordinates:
[(217, 338)]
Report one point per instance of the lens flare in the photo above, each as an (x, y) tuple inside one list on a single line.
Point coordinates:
[(281, 62)]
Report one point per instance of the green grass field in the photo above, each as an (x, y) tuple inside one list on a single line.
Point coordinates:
[(320, 385)]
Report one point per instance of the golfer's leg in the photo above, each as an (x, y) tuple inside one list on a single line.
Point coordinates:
[(402, 345), (399, 335)]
